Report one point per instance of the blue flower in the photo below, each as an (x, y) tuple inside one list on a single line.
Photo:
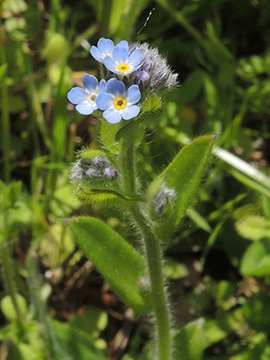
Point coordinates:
[(105, 48), (119, 103), (121, 62), (85, 99)]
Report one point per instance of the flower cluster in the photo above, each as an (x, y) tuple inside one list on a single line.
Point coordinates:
[(129, 72), (97, 168)]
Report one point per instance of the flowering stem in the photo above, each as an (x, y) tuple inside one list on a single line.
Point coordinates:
[(154, 261), (153, 251)]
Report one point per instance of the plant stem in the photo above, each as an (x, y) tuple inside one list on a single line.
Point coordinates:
[(5, 250), (152, 248), (127, 160), (154, 261), (5, 112), (10, 285)]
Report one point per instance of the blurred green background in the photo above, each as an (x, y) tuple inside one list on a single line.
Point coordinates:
[(219, 259)]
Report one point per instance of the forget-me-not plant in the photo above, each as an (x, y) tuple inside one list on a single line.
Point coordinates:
[(126, 100)]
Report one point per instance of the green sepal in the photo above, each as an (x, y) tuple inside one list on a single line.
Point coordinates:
[(89, 154), (108, 135), (182, 176), (153, 103), (120, 264), (88, 195)]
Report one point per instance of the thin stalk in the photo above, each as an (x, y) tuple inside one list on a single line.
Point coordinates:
[(5, 255), (154, 262), (53, 348), (5, 112), (153, 251), (7, 271)]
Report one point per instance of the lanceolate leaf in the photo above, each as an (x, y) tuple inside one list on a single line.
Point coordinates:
[(120, 264), (180, 180)]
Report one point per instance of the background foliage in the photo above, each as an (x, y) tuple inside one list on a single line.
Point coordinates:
[(218, 262)]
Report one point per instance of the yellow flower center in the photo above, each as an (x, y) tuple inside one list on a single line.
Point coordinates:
[(123, 67), (120, 103)]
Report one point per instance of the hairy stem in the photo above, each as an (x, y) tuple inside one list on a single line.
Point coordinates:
[(153, 251), (154, 261)]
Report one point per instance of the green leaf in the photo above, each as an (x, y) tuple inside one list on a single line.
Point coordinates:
[(256, 260), (117, 261), (256, 311), (253, 227), (152, 103), (182, 176), (93, 321), (219, 328), (77, 343), (257, 349), (189, 342)]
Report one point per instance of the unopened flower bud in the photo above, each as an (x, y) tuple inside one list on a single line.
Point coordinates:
[(142, 78), (161, 198), (110, 173), (76, 172), (93, 173), (100, 161)]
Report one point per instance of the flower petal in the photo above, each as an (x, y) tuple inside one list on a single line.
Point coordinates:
[(85, 108), (120, 55), (102, 86), (110, 63), (135, 57), (96, 53), (112, 116), (133, 94), (104, 101), (123, 44), (90, 82), (130, 112), (105, 45), (116, 87), (76, 95)]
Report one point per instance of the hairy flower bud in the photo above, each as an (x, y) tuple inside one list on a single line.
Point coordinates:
[(161, 198), (142, 78), (93, 173), (100, 161), (160, 74), (110, 173)]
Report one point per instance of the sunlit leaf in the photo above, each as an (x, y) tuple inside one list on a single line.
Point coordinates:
[(256, 260), (117, 261), (181, 177), (253, 227)]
